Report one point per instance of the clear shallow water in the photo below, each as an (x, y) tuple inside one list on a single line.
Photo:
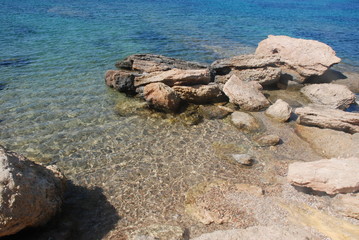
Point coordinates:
[(54, 105)]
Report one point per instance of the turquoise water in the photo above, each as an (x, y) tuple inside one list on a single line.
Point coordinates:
[(55, 107)]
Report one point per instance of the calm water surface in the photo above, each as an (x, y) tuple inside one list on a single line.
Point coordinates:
[(55, 107)]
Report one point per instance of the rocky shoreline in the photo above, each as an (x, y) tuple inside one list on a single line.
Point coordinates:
[(295, 179)]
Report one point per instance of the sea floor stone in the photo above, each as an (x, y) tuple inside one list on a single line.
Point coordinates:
[(268, 140), (244, 121)]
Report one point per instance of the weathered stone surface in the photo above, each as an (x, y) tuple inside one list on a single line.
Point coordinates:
[(175, 77), (154, 232), (268, 140), (328, 118), (252, 61), (328, 175), (244, 121), (302, 58), (330, 143), (347, 204), (213, 112), (211, 201), (200, 94), (243, 159), (30, 194), (153, 63), (264, 76), (280, 111), (245, 94), (330, 95), (121, 80), (275, 232), (161, 97)]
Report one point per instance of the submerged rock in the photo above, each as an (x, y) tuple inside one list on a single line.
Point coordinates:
[(175, 77), (200, 94), (328, 175), (243, 159), (268, 140), (245, 94), (301, 58), (214, 112), (244, 121), (328, 118), (161, 97), (330, 95), (280, 111), (275, 232), (153, 63), (30, 194)]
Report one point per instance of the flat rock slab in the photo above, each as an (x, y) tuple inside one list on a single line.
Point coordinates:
[(328, 118), (153, 63), (245, 94), (301, 57), (175, 77), (328, 175), (275, 232), (330, 95)]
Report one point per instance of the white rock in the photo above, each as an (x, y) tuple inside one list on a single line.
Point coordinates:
[(280, 111)]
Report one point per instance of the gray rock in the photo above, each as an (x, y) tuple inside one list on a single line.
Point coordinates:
[(30, 194), (328, 118), (243, 159), (121, 80), (161, 97), (328, 175), (330, 95), (245, 94), (280, 111), (301, 58), (153, 63), (244, 121)]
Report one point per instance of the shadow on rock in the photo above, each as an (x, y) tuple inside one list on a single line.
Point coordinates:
[(329, 76), (86, 214)]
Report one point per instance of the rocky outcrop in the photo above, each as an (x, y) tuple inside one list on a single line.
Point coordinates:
[(328, 118), (244, 121), (328, 175), (330, 95), (153, 63), (275, 232), (161, 97), (175, 77), (200, 94), (30, 194), (301, 58), (245, 94), (280, 111), (121, 80)]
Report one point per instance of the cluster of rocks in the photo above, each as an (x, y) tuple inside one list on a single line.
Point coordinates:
[(167, 83), (30, 194)]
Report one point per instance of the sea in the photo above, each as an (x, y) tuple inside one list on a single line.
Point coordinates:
[(56, 108)]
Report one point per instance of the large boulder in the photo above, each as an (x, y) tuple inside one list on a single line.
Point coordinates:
[(245, 94), (121, 80), (30, 194), (328, 118), (330, 95), (328, 175), (200, 94), (280, 111), (154, 63), (161, 97), (302, 58), (175, 77)]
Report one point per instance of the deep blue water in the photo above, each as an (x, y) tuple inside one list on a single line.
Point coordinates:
[(53, 53)]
